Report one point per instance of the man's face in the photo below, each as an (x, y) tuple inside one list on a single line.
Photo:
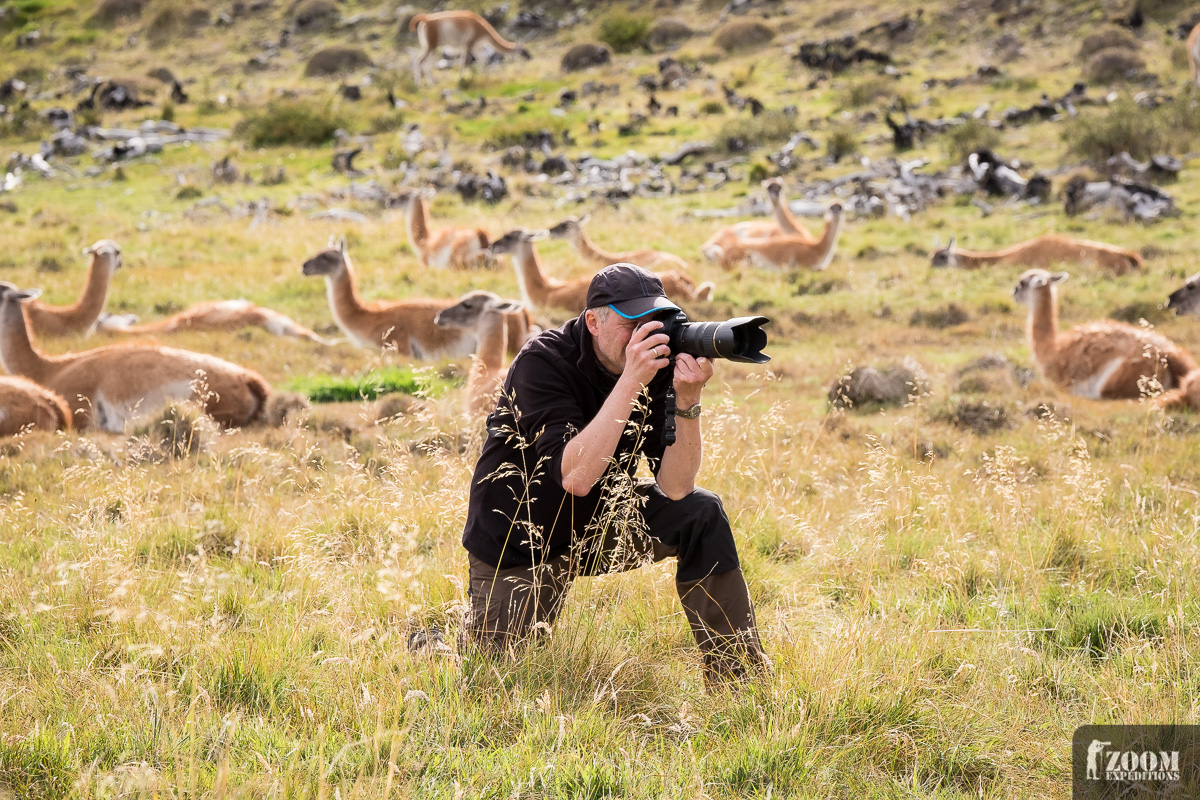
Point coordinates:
[(610, 334)]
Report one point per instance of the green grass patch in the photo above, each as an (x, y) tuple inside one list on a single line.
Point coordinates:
[(369, 385), (294, 122), (624, 32)]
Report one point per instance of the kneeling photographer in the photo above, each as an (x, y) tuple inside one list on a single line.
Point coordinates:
[(553, 495)]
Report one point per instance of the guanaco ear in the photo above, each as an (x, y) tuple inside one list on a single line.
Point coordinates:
[(426, 193), (25, 295), (583, 220), (87, 251), (1059, 277), (332, 242), (341, 245), (950, 246), (937, 243), (506, 306), (537, 236)]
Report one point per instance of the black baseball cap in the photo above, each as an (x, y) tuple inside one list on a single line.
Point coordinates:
[(629, 290)]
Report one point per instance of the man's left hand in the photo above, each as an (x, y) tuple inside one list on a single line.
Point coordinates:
[(690, 376)]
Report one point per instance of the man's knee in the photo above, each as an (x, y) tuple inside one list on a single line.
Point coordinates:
[(700, 504)]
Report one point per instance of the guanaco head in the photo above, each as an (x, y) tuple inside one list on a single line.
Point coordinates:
[(329, 261), (569, 228), (943, 256), (105, 253), (774, 188), (1032, 281), (467, 312), (1186, 300), (834, 213), (405, 199), (512, 241), (11, 297)]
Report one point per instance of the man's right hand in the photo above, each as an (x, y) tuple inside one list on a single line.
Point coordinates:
[(646, 353)]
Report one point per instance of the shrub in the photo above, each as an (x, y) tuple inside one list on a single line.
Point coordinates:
[(335, 60), (1106, 38), (742, 34), (1126, 127), (768, 127), (111, 12), (867, 90), (668, 31), (1113, 64), (315, 15), (623, 31), (297, 122), (585, 55), (522, 132), (18, 14), (969, 137), (843, 140), (712, 107)]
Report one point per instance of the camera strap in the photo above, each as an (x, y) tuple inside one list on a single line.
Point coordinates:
[(668, 429)]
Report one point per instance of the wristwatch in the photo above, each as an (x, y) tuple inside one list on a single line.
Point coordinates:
[(688, 413)]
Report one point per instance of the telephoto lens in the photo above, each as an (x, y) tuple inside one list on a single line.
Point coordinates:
[(739, 339)]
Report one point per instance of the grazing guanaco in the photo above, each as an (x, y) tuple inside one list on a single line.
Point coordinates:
[(786, 252), (1043, 251), (459, 30), (572, 230), (1102, 360), (212, 315), (484, 313), (541, 291), (26, 406), (79, 318), (405, 325), (441, 247), (109, 387)]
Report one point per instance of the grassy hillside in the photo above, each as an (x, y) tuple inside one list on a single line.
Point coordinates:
[(947, 589)]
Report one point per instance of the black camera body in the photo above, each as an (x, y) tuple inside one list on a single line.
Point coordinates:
[(739, 339)]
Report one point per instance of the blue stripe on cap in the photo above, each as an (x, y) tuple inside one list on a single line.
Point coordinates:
[(644, 313)]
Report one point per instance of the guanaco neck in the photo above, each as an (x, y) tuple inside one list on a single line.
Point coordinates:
[(1043, 324), (783, 216), (17, 352), (417, 219), (828, 241), (534, 286), (972, 259), (344, 302), (90, 304), (491, 333), (588, 249)]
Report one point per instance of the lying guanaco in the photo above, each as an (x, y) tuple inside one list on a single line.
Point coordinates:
[(538, 290), (784, 251), (25, 406), (404, 325), (572, 230), (484, 313), (79, 318), (212, 315), (1102, 360), (440, 248), (109, 387), (1044, 251)]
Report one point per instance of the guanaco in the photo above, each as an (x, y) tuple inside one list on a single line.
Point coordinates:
[(538, 290), (459, 30), (1186, 299), (212, 315), (26, 406), (109, 387), (1193, 50), (786, 252), (405, 325), (441, 247), (572, 230), (1102, 360), (484, 313), (784, 224), (79, 318), (1043, 251)]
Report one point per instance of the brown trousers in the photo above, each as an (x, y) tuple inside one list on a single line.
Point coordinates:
[(508, 606)]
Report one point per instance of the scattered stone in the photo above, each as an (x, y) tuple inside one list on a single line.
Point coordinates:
[(868, 387), (945, 317), (586, 55)]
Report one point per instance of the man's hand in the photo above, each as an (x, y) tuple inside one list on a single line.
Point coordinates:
[(690, 376), (646, 353)]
